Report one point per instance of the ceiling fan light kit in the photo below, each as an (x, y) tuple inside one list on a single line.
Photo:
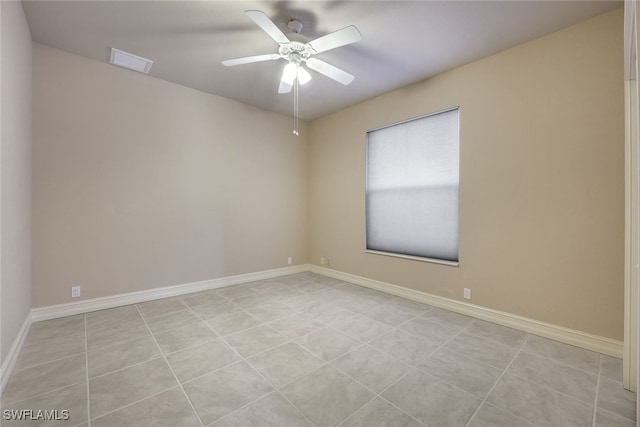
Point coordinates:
[(297, 53)]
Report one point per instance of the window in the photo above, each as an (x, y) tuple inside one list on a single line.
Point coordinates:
[(412, 187)]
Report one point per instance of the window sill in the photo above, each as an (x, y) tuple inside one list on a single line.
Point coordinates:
[(415, 258)]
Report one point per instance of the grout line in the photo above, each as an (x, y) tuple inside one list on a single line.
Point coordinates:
[(135, 402), (50, 361), (192, 346), (86, 367), (595, 402), (243, 359), (497, 382), (275, 390), (411, 368), (171, 369), (14, 402), (616, 415), (133, 365), (375, 394)]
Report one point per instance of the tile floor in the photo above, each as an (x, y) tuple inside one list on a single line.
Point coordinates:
[(307, 350)]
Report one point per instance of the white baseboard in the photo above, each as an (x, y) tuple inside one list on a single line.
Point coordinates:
[(94, 304), (569, 336), (12, 357)]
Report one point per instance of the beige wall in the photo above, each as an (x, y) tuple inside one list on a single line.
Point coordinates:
[(542, 180), (15, 174), (139, 183)]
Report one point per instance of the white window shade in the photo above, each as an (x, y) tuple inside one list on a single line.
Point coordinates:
[(412, 187)]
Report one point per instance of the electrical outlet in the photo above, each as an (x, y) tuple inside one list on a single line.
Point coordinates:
[(75, 291), (467, 293), (289, 260), (322, 261)]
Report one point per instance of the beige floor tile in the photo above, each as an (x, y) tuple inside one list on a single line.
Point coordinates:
[(375, 297), (327, 281), (326, 396), (285, 363), (112, 316), (380, 413), (353, 303), (203, 298), (273, 410), (490, 416), (563, 353), (170, 321), (488, 352), (562, 378), (328, 343), (186, 336), (432, 401), (329, 312), (226, 390), (539, 405), (432, 332), (372, 368), (106, 334), (611, 367), (167, 409), (361, 328), (233, 292), (121, 355), (210, 311), (448, 318), (308, 287), (253, 300), (406, 347), (390, 314), (491, 331), (48, 330), (271, 311), (117, 389), (199, 360), (305, 334), (608, 419), (255, 340), (44, 378), (232, 323), (46, 351), (468, 374), (297, 325), (72, 399), (613, 398), (408, 305), (161, 306)]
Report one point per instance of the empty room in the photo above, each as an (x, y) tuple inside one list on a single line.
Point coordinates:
[(319, 213)]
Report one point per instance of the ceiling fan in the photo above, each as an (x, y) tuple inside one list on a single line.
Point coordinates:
[(296, 52)]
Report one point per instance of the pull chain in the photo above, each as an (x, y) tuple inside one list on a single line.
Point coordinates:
[(295, 107)]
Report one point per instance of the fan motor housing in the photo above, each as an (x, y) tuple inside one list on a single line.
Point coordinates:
[(295, 51)]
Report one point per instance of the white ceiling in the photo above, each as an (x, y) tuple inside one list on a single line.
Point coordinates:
[(403, 41)]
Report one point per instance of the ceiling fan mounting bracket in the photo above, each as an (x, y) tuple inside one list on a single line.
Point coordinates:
[(295, 26)]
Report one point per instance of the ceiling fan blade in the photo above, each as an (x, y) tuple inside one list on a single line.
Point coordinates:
[(338, 38), (330, 71), (267, 25), (250, 59)]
